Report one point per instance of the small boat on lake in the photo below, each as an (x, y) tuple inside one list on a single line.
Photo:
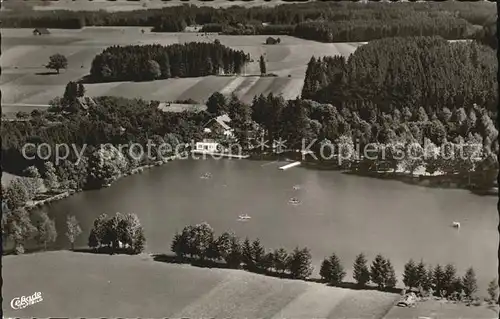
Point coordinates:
[(456, 225), (244, 217), (296, 187), (294, 201), (206, 176)]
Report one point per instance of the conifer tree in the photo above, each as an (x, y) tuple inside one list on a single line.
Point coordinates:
[(361, 271)]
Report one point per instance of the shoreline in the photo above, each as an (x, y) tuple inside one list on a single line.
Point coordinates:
[(441, 181), (30, 205), (423, 180), (429, 181)]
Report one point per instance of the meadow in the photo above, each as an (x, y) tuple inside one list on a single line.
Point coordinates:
[(27, 84), (139, 286), (184, 291)]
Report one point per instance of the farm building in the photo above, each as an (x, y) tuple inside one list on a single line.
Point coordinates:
[(207, 146), (216, 128), (272, 40), (41, 31), (219, 126)]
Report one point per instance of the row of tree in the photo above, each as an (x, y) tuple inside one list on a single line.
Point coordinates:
[(361, 30), (119, 232), (151, 62), (199, 242), (19, 227)]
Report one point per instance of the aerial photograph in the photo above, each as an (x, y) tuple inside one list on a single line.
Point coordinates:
[(265, 159)]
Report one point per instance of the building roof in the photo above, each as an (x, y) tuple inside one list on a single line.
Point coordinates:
[(222, 120), (178, 107), (86, 102), (42, 30)]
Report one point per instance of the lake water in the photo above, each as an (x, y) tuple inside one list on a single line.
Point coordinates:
[(338, 213)]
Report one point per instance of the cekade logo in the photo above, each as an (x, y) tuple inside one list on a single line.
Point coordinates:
[(25, 301)]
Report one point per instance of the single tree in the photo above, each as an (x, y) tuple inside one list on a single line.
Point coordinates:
[(378, 271), (325, 270), (410, 274), (213, 251), (280, 260), (332, 270), (16, 194), (73, 231), (18, 227), (178, 245), (139, 241), (438, 279), (267, 262), (234, 257), (469, 283), (93, 241), (153, 70), (390, 280), (223, 245), (165, 66), (46, 231), (449, 276), (493, 291), (57, 62), (258, 254), (80, 92), (70, 92), (262, 64), (202, 237), (51, 180), (421, 275), (217, 104), (361, 271), (247, 254), (32, 181), (299, 263)]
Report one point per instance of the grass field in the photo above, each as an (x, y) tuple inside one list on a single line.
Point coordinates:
[(87, 285), (25, 82)]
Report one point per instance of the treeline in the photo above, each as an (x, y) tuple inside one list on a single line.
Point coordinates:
[(113, 120), (395, 73), (446, 19), (199, 244), (302, 123), (361, 30), (150, 62)]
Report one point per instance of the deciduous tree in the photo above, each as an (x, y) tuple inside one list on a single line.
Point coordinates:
[(73, 231), (46, 231), (57, 62)]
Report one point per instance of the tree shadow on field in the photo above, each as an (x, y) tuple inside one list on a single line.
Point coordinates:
[(104, 251), (47, 73), (173, 259)]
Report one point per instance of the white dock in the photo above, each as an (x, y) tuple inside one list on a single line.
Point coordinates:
[(213, 154), (287, 166)]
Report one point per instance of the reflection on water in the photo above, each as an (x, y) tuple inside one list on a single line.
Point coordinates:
[(337, 213)]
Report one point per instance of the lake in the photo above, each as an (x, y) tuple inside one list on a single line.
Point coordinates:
[(338, 213)]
